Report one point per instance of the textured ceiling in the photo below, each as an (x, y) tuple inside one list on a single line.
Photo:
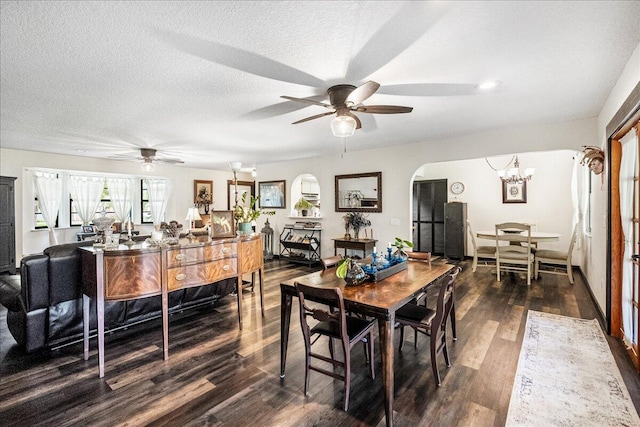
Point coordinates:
[(202, 81)]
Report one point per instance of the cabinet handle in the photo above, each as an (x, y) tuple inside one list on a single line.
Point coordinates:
[(226, 267), (225, 250), (181, 276), (180, 256)]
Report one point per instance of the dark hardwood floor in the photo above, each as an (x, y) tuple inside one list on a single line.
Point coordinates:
[(218, 375)]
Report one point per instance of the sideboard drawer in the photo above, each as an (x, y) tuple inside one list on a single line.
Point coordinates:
[(184, 256), (201, 274)]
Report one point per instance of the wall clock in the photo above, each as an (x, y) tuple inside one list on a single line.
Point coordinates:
[(457, 187)]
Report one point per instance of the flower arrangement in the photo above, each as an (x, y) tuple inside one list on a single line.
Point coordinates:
[(356, 220), (249, 213)]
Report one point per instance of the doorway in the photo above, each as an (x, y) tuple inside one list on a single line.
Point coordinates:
[(429, 198)]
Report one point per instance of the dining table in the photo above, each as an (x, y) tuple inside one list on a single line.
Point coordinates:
[(378, 299), (536, 236)]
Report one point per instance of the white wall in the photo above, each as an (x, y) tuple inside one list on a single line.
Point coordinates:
[(399, 164), (595, 255), (548, 193)]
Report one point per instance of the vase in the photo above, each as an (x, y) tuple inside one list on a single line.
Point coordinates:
[(356, 232), (244, 228), (355, 274)]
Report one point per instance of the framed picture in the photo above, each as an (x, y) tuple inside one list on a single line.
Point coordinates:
[(272, 194), (222, 224), (514, 192), (203, 195), (243, 187), (87, 229)]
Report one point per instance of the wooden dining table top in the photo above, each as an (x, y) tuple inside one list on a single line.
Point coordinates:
[(388, 294)]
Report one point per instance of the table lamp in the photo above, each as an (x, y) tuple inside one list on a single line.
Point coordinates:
[(192, 215)]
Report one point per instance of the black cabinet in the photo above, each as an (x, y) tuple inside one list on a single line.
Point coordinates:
[(7, 225), (455, 236), (429, 198)]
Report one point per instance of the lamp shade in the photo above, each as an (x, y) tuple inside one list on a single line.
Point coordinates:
[(193, 215), (235, 166), (343, 126)]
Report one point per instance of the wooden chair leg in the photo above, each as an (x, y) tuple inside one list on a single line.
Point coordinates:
[(445, 350), (347, 378), (371, 357), (434, 363), (453, 320), (570, 273), (306, 372), (331, 347)]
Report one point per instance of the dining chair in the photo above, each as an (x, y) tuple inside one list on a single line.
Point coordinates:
[(546, 256), (432, 323), (336, 324), (488, 252), (514, 257), (329, 262)]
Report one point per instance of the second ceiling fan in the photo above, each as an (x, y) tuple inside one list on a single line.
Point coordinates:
[(344, 100)]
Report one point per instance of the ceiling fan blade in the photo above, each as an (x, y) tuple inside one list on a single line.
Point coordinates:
[(167, 160), (382, 109), (430, 89), (317, 116), (307, 101), (361, 93), (239, 59), (401, 31)]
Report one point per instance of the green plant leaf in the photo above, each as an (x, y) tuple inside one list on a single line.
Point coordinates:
[(341, 270)]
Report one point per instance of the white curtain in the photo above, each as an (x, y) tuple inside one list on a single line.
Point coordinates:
[(86, 192), (121, 192), (159, 190), (627, 171), (579, 197), (48, 189)]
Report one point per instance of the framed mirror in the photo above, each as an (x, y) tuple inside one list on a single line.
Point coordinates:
[(359, 192)]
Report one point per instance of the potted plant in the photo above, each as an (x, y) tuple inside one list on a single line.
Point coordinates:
[(245, 215), (400, 244), (303, 206), (349, 270)]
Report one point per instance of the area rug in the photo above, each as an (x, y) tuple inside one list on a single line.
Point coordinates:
[(567, 377)]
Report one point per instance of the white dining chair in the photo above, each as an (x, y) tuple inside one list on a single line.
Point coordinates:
[(485, 252), (514, 257), (545, 256)]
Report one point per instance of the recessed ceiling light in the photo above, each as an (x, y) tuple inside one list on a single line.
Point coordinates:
[(488, 85)]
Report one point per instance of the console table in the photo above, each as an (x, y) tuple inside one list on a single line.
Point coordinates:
[(364, 245), (141, 271)]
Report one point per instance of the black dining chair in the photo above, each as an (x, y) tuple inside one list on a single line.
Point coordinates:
[(333, 324), (432, 323)]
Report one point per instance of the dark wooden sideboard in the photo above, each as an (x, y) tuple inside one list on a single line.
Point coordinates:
[(142, 271)]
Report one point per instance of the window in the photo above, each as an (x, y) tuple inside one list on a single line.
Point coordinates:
[(145, 207), (105, 204), (39, 221)]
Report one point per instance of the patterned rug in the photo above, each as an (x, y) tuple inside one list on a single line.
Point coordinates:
[(567, 377)]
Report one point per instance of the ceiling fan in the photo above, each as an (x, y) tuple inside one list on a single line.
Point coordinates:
[(344, 100), (149, 157)]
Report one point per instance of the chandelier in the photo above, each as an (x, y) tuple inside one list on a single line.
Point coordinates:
[(513, 175)]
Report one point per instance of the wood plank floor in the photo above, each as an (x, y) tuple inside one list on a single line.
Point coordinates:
[(218, 375)]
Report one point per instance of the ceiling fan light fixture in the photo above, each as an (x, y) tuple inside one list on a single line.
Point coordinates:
[(148, 166), (343, 126), (488, 85)]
